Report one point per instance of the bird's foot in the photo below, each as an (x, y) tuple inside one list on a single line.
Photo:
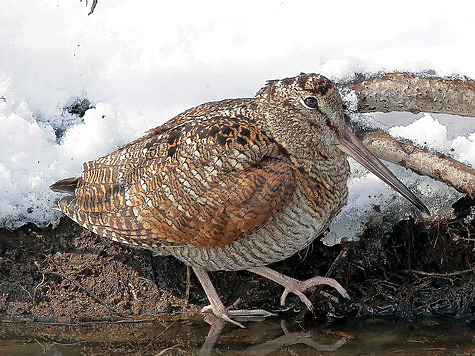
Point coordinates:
[(221, 312), (217, 307), (297, 287)]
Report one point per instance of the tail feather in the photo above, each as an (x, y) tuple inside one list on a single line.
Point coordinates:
[(123, 229), (68, 185)]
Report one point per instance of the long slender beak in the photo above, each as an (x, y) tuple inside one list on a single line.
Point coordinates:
[(353, 147)]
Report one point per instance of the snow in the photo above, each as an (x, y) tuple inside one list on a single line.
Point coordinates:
[(417, 131), (465, 146), (141, 63), (427, 131)]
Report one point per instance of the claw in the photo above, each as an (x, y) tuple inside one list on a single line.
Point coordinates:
[(298, 287), (222, 315), (299, 294)]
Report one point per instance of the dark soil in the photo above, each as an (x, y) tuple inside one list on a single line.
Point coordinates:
[(69, 275)]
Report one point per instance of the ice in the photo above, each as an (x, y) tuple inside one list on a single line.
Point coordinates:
[(139, 64)]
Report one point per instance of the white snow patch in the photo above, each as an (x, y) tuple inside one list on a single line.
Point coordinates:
[(429, 132), (465, 146), (27, 154), (426, 132)]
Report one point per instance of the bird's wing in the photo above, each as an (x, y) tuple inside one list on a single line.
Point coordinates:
[(205, 182)]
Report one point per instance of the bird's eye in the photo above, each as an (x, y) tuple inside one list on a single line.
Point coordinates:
[(311, 102)]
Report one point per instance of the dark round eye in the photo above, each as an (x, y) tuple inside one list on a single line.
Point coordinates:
[(311, 102)]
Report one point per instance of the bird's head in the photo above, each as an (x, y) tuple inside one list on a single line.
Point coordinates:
[(307, 104), (305, 115)]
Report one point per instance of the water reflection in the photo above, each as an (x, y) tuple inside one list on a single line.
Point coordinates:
[(286, 340), (272, 336)]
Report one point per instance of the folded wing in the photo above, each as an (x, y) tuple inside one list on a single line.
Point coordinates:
[(206, 182)]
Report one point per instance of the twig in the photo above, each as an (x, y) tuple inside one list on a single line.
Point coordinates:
[(169, 349), (27, 291), (42, 280), (93, 6), (42, 346), (163, 331), (420, 160), (442, 275), (188, 286), (416, 93)]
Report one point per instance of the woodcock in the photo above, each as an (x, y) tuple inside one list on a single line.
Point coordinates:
[(230, 185)]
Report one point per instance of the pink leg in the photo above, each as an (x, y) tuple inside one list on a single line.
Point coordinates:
[(217, 307), (298, 287)]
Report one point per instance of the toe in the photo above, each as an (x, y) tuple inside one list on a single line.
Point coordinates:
[(298, 292), (250, 313), (221, 314), (228, 319), (284, 296)]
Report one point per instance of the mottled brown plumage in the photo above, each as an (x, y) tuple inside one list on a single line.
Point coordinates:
[(228, 185)]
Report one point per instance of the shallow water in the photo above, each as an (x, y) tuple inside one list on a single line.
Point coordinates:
[(273, 336)]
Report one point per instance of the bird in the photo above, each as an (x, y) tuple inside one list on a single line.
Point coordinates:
[(231, 185)]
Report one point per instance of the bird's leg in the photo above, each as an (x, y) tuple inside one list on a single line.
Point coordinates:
[(298, 287), (217, 307)]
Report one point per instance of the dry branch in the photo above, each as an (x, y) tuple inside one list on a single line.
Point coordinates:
[(93, 6), (409, 92), (420, 160)]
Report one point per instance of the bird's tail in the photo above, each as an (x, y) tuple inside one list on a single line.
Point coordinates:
[(67, 185)]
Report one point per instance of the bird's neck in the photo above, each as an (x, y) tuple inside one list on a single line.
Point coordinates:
[(321, 168), (310, 147)]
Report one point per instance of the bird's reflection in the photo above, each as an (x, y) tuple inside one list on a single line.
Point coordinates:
[(287, 339)]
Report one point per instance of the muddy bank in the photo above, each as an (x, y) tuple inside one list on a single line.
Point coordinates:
[(68, 275)]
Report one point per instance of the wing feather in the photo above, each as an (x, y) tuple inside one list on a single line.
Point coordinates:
[(206, 182)]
